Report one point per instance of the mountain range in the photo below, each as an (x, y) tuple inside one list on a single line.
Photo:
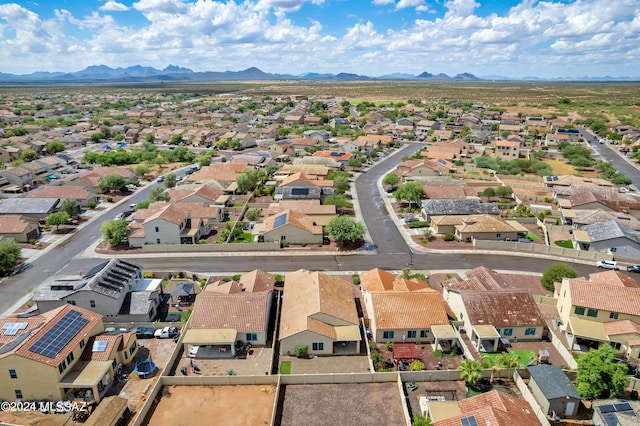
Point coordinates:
[(173, 73)]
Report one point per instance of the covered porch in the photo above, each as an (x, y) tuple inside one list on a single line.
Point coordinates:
[(583, 335), (444, 336), (347, 340), (88, 380), (211, 343), (485, 338)]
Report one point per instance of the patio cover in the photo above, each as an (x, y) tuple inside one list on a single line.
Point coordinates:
[(589, 329), (443, 331), (182, 290), (517, 226), (347, 333), (405, 351), (85, 374), (485, 331), (210, 336)]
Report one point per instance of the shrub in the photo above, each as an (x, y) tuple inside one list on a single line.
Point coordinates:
[(388, 345), (109, 198), (302, 351), (355, 279), (236, 277), (278, 279), (147, 274), (416, 365), (92, 205), (420, 224), (449, 236)]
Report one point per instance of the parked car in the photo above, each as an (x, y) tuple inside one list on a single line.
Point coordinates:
[(172, 317), (144, 332), (21, 268), (411, 219), (607, 264), (633, 268), (160, 178), (165, 333)]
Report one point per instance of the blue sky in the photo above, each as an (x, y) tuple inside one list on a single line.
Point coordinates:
[(548, 39)]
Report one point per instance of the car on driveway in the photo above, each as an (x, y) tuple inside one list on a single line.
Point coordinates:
[(166, 333), (633, 268), (411, 219), (144, 332), (607, 264), (172, 317)]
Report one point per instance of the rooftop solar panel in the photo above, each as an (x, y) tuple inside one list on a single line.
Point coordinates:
[(12, 328), (280, 220), (610, 419), (624, 406), (59, 335), (299, 191), (99, 346), (469, 421), (609, 408)]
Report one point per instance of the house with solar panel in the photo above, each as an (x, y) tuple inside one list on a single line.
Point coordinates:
[(115, 289), (63, 353), (616, 412), (289, 226), (299, 186)]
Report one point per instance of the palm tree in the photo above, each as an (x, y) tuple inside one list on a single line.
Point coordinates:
[(508, 360), (471, 371)]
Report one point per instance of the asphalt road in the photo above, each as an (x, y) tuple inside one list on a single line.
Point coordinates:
[(392, 252)]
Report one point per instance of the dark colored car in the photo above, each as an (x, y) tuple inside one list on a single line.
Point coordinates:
[(633, 268), (172, 317), (144, 332)]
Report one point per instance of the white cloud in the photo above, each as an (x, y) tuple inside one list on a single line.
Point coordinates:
[(113, 6), (402, 4), (383, 2)]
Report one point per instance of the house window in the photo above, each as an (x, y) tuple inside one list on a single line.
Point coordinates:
[(424, 334), (592, 313), (157, 240), (18, 394), (133, 348), (157, 229), (579, 310), (113, 364), (387, 335), (62, 366), (613, 315), (70, 357), (411, 334), (531, 331), (71, 302), (252, 336), (616, 346), (508, 331), (318, 346), (81, 344), (498, 330), (498, 235), (92, 303), (125, 355), (13, 374)]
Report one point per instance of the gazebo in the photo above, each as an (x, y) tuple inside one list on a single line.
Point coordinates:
[(183, 293)]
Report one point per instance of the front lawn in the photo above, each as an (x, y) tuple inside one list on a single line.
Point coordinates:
[(243, 238)]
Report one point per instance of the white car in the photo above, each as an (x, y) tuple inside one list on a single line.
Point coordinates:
[(607, 264)]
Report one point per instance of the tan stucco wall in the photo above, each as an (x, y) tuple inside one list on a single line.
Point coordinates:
[(288, 345)]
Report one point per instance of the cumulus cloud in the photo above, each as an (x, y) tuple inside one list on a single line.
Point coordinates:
[(113, 6)]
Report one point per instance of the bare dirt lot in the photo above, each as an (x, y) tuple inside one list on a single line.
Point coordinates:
[(214, 405), (344, 404)]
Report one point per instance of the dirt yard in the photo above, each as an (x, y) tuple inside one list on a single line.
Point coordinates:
[(34, 418), (214, 405)]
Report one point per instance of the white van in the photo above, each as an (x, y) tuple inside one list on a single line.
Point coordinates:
[(607, 264)]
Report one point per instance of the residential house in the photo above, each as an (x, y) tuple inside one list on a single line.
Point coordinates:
[(301, 146), (301, 187), (38, 171), (479, 227), (423, 127), (342, 157), (291, 119), (320, 214), (20, 176), (288, 227), (553, 390), (223, 173), (83, 195), (449, 191), (9, 153), (493, 408), (376, 140), (203, 194), (580, 218), (35, 208), (603, 199), (229, 312), (313, 171), (492, 310), (92, 177), (60, 354), (403, 310), (611, 237), (507, 150), (318, 161), (450, 151), (312, 121), (114, 289), (322, 135), (18, 227), (458, 207), (600, 308), (319, 313), (53, 165)]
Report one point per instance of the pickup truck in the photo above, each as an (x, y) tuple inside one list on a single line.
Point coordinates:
[(166, 333)]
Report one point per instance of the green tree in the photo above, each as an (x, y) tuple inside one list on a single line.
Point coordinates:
[(57, 219), (143, 205), (411, 192), (340, 183), (176, 139), (470, 371), (345, 229), (249, 180), (599, 375), (508, 360), (504, 191), (10, 254), (355, 163), (489, 192), (391, 179), (158, 194), (98, 136), (114, 231), (252, 214), (112, 182), (70, 206), (419, 420), (170, 180), (339, 200), (555, 273), (142, 170), (28, 155), (205, 160), (620, 179), (54, 147), (149, 139)]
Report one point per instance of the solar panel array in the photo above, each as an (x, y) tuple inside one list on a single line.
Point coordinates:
[(99, 346), (12, 328), (280, 220), (59, 335), (609, 412), (469, 421), (299, 191)]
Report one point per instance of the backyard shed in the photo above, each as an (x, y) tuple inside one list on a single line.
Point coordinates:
[(554, 391)]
